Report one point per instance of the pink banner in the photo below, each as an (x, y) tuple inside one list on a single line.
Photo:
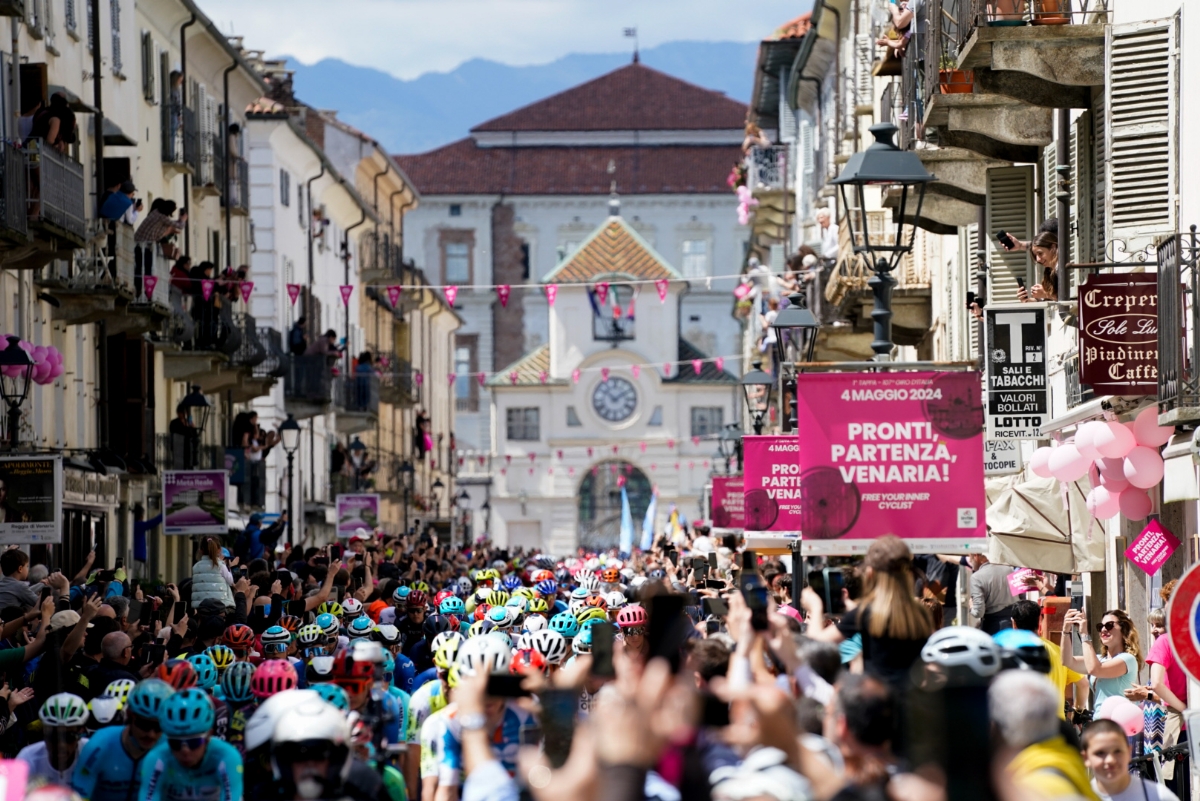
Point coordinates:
[(247, 288), (481, 378), (451, 294), (1152, 548), (697, 364), (661, 285), (891, 453), (206, 288), (393, 295), (148, 283), (771, 486), (346, 290), (602, 292), (293, 292), (575, 375), (502, 292), (1017, 584), (551, 293), (728, 502)]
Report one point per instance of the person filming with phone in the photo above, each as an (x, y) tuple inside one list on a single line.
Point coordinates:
[(1115, 669)]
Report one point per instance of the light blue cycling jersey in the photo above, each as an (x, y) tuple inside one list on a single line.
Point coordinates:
[(506, 740), (105, 771), (218, 777)]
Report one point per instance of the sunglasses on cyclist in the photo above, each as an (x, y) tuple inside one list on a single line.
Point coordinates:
[(1109, 626), (634, 631), (144, 724), (190, 743)]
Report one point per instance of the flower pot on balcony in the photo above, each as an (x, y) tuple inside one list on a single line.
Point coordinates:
[(1006, 12), (1051, 12), (956, 82)]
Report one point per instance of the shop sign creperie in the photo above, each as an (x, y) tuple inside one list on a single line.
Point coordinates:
[(1118, 333)]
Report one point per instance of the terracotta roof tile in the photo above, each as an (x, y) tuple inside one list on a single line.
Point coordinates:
[(613, 249), (529, 369), (632, 98)]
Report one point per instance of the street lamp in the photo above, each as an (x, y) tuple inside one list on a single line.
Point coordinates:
[(486, 508), (729, 443), (796, 317), (406, 477), (289, 435), (757, 384), (435, 497), (16, 368), (463, 502), (885, 165), (198, 407)]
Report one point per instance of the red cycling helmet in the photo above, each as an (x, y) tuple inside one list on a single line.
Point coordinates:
[(527, 660), (290, 622), (630, 616), (353, 676), (596, 601), (441, 596), (239, 637), (481, 611), (273, 676), (179, 673), (416, 600)]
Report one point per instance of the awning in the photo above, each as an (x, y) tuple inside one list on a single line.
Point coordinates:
[(74, 101), (775, 57), (1179, 471), (1030, 526), (114, 136)]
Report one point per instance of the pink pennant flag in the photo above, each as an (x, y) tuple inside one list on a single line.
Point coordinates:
[(589, 453), (629, 308), (549, 471), (616, 312), (531, 471), (451, 378), (653, 467), (696, 365), (206, 288), (670, 444), (512, 377), (502, 292), (691, 465), (695, 440), (543, 376), (451, 294), (346, 290), (603, 373), (559, 454), (677, 465), (620, 481), (720, 362), (666, 368), (642, 445), (614, 449), (551, 293), (629, 470), (293, 292), (575, 375), (247, 288), (532, 458), (394, 294), (661, 285), (481, 378), (481, 461), (602, 292), (460, 461), (508, 459), (636, 370), (419, 377), (570, 471), (148, 283), (503, 471)]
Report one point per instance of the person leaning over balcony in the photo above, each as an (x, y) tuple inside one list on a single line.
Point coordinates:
[(897, 36), (55, 125), (754, 138), (1045, 253), (829, 235), (156, 229)]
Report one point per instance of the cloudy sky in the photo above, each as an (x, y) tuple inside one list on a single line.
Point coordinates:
[(409, 37)]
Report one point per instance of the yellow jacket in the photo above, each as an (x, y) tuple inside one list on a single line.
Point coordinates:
[(1051, 769)]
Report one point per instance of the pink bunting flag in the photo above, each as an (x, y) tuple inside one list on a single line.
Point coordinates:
[(532, 458), (602, 292), (570, 471), (575, 375), (512, 377), (661, 285), (419, 378), (481, 378), (206, 288), (460, 461), (629, 470), (531, 471), (247, 288), (507, 459), (614, 449), (636, 370), (696, 365), (502, 292), (670, 444), (481, 461), (695, 440), (589, 453), (691, 465), (451, 294), (551, 293), (346, 290), (293, 292), (653, 467), (620, 481), (603, 373), (666, 368), (720, 362), (543, 376), (451, 378), (677, 465), (642, 446), (148, 283), (394, 294), (616, 312), (559, 454), (503, 471), (549, 471)]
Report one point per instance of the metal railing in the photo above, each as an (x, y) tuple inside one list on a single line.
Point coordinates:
[(357, 393), (308, 379), (14, 209), (238, 196), (343, 484), (183, 452), (56, 189), (211, 161), (200, 326), (396, 384), (250, 351), (180, 137), (1077, 392), (273, 364), (120, 255), (1178, 324), (766, 167)]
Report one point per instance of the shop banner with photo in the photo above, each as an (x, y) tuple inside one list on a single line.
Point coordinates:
[(1018, 400), (194, 502), (357, 511), (31, 492), (902, 455), (771, 491), (1118, 333), (728, 502)]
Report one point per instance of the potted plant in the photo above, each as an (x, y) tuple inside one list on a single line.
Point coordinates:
[(1006, 12), (952, 80), (1051, 12)]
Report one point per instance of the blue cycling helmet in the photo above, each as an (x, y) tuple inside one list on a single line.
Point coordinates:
[(146, 699), (328, 624), (404, 673), (565, 624), (335, 695), (1022, 650), (235, 682), (206, 671), (511, 582), (401, 594), (452, 606), (547, 588), (360, 628), (582, 644), (389, 665), (188, 713)]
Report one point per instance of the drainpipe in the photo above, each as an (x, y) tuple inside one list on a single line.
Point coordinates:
[(346, 279), (311, 270), (1063, 196), (981, 274), (837, 74), (375, 204), (183, 88), (225, 167), (102, 403)]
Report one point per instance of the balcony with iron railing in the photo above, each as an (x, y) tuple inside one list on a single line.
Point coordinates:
[(274, 363), (238, 199), (356, 399), (396, 382), (211, 168), (766, 168), (180, 137), (14, 203), (57, 194), (185, 452), (308, 385), (1179, 329)]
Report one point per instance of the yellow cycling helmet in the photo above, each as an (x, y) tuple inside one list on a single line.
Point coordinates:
[(591, 613), (330, 608), (476, 629), (497, 598), (537, 606), (525, 592)]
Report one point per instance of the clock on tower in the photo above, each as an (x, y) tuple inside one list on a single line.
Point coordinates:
[(614, 400)]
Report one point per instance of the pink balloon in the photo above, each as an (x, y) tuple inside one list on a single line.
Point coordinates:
[(1039, 463), (1148, 432), (38, 353), (1067, 464), (1143, 467), (1129, 717), (58, 370), (1135, 504), (1114, 485), (1105, 710), (1114, 440), (1084, 439), (1111, 468), (1106, 503)]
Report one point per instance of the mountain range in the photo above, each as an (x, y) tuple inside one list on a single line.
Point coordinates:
[(434, 109)]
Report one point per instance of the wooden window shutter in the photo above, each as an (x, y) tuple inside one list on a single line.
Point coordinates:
[(149, 68), (1047, 184), (1141, 90), (1083, 212), (787, 115), (807, 154), (864, 88), (1099, 176), (1010, 208), (968, 259)]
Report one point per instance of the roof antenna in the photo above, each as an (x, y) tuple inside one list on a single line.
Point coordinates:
[(631, 33), (614, 202)]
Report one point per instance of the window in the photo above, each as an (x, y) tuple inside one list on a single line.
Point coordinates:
[(695, 258), (70, 21), (116, 38), (656, 417), (707, 420), (455, 209), (466, 388), (456, 262), (149, 68), (91, 42), (525, 260), (523, 424), (612, 321), (573, 417), (285, 188)]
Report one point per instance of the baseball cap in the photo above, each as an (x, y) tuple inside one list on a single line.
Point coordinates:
[(63, 620)]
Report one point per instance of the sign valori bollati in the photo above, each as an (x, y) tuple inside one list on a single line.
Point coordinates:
[(1118, 333), (1017, 402)]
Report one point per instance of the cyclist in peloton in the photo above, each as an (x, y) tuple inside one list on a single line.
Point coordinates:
[(108, 764), (189, 765)]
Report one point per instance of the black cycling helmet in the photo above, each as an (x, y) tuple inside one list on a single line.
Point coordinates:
[(436, 624)]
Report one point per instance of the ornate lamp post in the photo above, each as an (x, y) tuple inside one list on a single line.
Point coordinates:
[(757, 384), (406, 477), (15, 388), (885, 165), (435, 497), (289, 435), (729, 444), (796, 317)]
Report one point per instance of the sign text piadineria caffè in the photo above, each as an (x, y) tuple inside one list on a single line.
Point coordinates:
[(1118, 333)]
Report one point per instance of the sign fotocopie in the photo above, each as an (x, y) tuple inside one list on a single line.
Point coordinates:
[(1118, 333), (1182, 623), (1017, 394), (1001, 457)]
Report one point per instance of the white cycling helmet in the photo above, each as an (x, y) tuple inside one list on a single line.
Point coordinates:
[(64, 709), (351, 608), (550, 644), (261, 726), (487, 653), (590, 582), (523, 642), (614, 599), (303, 724), (963, 646), (536, 623), (445, 637)]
